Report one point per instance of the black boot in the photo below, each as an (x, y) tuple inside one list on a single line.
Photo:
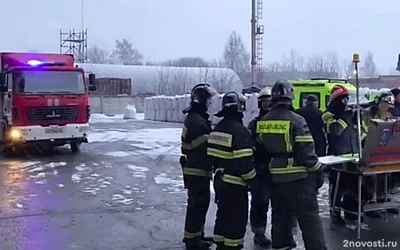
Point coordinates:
[(262, 240), (337, 219), (197, 245), (352, 217), (207, 239)]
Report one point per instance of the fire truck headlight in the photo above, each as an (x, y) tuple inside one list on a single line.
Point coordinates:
[(15, 134)]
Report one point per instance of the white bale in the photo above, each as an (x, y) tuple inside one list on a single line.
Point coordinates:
[(170, 110), (247, 113), (130, 112), (163, 108), (184, 104), (215, 107), (251, 108), (175, 108), (253, 102), (158, 108), (145, 108), (152, 115)]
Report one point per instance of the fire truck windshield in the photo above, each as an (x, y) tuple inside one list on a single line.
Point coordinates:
[(55, 82)]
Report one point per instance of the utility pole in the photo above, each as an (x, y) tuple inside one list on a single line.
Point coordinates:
[(82, 16), (253, 43)]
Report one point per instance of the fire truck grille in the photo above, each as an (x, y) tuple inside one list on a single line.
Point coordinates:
[(53, 114)]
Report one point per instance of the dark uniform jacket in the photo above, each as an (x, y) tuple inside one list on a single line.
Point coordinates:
[(342, 134), (194, 146), (288, 141), (230, 148), (313, 117), (260, 157)]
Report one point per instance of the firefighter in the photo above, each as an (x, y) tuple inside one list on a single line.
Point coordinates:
[(396, 109), (295, 171), (260, 195), (230, 148), (313, 117), (379, 109), (340, 124), (197, 170)]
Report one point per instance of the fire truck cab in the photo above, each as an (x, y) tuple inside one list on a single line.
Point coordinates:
[(44, 101)]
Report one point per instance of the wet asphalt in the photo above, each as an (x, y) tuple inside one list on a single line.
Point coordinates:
[(120, 192)]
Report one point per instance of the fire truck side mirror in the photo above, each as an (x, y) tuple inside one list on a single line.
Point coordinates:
[(92, 82)]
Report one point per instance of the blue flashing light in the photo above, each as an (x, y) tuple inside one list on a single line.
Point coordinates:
[(34, 62)]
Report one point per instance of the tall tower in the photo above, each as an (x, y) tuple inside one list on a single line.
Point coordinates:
[(257, 30), (259, 35), (74, 43)]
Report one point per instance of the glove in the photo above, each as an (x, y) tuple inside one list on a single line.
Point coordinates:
[(182, 161), (319, 180)]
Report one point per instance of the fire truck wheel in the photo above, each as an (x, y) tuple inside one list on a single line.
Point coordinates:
[(75, 146)]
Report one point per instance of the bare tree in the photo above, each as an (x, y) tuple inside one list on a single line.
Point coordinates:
[(293, 63), (222, 81), (97, 55), (126, 54), (332, 64), (179, 82), (204, 75), (236, 57), (347, 69), (216, 63), (368, 68), (320, 66), (160, 85), (273, 67)]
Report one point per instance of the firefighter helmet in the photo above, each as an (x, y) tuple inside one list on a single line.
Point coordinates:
[(265, 92), (282, 92), (232, 101), (385, 96), (201, 93), (338, 92)]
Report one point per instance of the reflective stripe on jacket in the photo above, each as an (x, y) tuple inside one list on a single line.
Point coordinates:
[(288, 141), (230, 148), (341, 133), (194, 137)]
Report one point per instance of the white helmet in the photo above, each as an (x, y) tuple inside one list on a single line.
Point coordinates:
[(265, 92)]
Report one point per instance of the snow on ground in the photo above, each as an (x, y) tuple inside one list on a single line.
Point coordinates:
[(102, 118), (147, 141)]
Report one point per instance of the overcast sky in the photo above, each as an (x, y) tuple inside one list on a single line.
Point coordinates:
[(166, 29)]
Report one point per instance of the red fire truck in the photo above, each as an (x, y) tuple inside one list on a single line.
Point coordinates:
[(44, 101)]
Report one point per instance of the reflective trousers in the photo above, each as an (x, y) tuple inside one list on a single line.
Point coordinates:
[(197, 207), (232, 214), (260, 196), (299, 197)]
